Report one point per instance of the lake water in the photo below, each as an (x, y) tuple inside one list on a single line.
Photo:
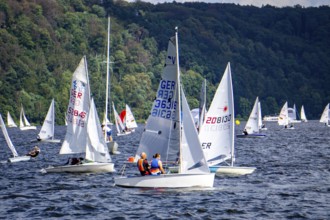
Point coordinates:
[(292, 181)]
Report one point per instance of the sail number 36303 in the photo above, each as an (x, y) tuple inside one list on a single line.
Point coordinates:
[(218, 120)]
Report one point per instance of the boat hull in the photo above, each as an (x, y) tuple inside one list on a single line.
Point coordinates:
[(251, 136), (51, 140), (167, 181), (231, 170), (93, 167), (28, 128), (18, 159), (113, 147)]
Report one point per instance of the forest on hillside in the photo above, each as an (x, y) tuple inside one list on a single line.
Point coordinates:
[(278, 54)]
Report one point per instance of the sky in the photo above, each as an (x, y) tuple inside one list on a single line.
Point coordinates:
[(258, 3)]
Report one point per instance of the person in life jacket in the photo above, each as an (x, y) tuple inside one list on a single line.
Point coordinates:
[(143, 165), (156, 165)]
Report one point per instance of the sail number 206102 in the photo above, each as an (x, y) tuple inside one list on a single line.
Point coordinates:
[(218, 120)]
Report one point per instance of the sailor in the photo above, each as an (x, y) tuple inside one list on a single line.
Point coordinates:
[(34, 152), (143, 164), (156, 165)]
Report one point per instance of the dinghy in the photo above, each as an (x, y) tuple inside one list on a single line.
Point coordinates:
[(303, 115), (170, 131), (325, 116), (47, 130), (252, 128), (121, 129), (128, 120), (218, 131), (261, 125), (84, 133), (10, 121), (24, 123), (284, 119), (16, 157)]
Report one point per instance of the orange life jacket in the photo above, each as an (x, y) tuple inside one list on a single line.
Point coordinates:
[(140, 165)]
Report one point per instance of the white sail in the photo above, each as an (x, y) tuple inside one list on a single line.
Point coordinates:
[(48, 127), (303, 115), (119, 124), (23, 122), (325, 115), (5, 133), (259, 116), (129, 119), (162, 130), (252, 124), (217, 133), (96, 148), (283, 118), (10, 121), (77, 112), (193, 160)]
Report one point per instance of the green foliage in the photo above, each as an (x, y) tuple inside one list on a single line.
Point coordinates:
[(278, 54)]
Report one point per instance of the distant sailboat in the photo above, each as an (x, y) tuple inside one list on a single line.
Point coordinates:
[(121, 129), (16, 158), (10, 121), (325, 116), (24, 123), (303, 115), (47, 130), (261, 125), (252, 129), (284, 119), (128, 119)]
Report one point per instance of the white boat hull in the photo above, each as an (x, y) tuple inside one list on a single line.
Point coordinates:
[(113, 147), (124, 133), (51, 140), (232, 171), (18, 159), (92, 167), (28, 128), (251, 136), (167, 181)]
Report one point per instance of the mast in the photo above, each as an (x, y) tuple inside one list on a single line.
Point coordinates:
[(107, 92), (178, 90)]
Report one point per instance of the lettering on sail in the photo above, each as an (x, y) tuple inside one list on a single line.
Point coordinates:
[(76, 113), (165, 103)]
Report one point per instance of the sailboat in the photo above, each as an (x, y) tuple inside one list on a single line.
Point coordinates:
[(218, 131), (121, 129), (112, 145), (252, 129), (128, 119), (303, 115), (24, 123), (284, 119), (10, 121), (47, 130), (170, 131), (325, 116), (16, 158), (84, 133), (261, 125)]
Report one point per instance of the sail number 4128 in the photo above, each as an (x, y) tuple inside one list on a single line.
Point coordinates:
[(218, 120)]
